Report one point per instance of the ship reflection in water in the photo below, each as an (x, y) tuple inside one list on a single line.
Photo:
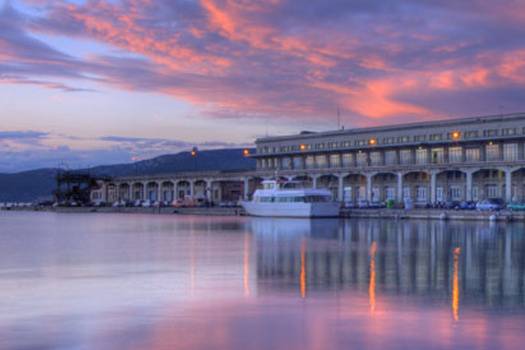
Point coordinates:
[(162, 282)]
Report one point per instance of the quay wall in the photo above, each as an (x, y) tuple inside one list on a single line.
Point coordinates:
[(398, 214)]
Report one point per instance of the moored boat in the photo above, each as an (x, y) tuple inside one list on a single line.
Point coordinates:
[(289, 199)]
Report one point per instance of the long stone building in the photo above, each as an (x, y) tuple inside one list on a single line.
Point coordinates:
[(428, 162)]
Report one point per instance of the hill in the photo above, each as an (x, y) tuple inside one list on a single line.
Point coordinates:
[(33, 185)]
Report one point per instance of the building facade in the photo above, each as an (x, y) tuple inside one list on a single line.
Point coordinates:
[(462, 159)]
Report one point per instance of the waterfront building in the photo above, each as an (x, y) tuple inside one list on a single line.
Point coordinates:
[(460, 159), (427, 162)]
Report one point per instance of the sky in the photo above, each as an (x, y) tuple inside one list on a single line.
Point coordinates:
[(94, 82)]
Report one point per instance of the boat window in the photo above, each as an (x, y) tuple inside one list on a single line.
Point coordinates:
[(315, 199)]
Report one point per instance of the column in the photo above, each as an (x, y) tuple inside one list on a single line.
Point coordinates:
[(314, 180), (400, 187), (340, 187), (192, 188), (208, 191), (468, 194), (508, 185), (160, 197), (433, 181), (246, 183), (369, 188), (144, 191)]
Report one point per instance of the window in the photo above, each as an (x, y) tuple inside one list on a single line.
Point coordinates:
[(390, 193), (309, 162), (320, 161), (508, 132), (375, 158), (455, 154), (405, 156), (471, 134), (472, 154), (492, 191), (492, 151), (510, 151), (298, 162), (420, 138), (286, 163), (490, 132), (454, 193), (348, 160), (390, 157), (406, 193), (421, 155), (362, 158), (335, 161), (438, 155), (421, 194), (436, 137)]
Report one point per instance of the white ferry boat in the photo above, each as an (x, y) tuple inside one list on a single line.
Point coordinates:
[(289, 199)]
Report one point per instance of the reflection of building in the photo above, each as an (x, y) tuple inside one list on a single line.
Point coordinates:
[(409, 257), (462, 159)]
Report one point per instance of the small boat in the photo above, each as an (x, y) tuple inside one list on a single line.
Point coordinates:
[(290, 199)]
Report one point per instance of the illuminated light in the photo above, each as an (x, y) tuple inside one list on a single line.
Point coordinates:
[(246, 152), (456, 135), (491, 143), (302, 274), (194, 152), (302, 147), (246, 266), (372, 141), (455, 285), (372, 285)]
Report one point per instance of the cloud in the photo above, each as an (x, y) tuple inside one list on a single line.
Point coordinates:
[(381, 62), (24, 134), (28, 149)]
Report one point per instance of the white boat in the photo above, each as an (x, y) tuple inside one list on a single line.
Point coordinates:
[(289, 199)]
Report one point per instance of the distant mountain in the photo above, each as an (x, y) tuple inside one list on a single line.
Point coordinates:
[(38, 184)]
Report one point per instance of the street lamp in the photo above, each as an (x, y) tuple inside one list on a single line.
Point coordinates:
[(246, 152)]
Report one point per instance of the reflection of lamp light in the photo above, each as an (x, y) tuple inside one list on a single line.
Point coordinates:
[(372, 141), (302, 274), (302, 147), (372, 285), (246, 152), (456, 135), (455, 285)]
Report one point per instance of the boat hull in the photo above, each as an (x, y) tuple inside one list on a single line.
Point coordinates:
[(295, 210)]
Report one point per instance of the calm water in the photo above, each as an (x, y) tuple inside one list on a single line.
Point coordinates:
[(103, 281)]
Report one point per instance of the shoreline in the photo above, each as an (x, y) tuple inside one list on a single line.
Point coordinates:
[(396, 214)]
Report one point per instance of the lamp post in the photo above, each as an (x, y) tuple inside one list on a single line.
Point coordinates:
[(194, 156)]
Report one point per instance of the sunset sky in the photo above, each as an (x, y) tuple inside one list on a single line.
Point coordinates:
[(98, 82)]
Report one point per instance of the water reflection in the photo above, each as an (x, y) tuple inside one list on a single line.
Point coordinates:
[(484, 263), (163, 282)]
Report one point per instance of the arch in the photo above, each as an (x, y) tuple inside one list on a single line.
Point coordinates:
[(330, 182), (200, 189), (112, 192), (306, 180), (124, 191), (354, 188), (384, 186), (138, 191), (488, 183), (152, 191), (518, 184), (416, 187), (451, 185), (183, 189), (167, 191)]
